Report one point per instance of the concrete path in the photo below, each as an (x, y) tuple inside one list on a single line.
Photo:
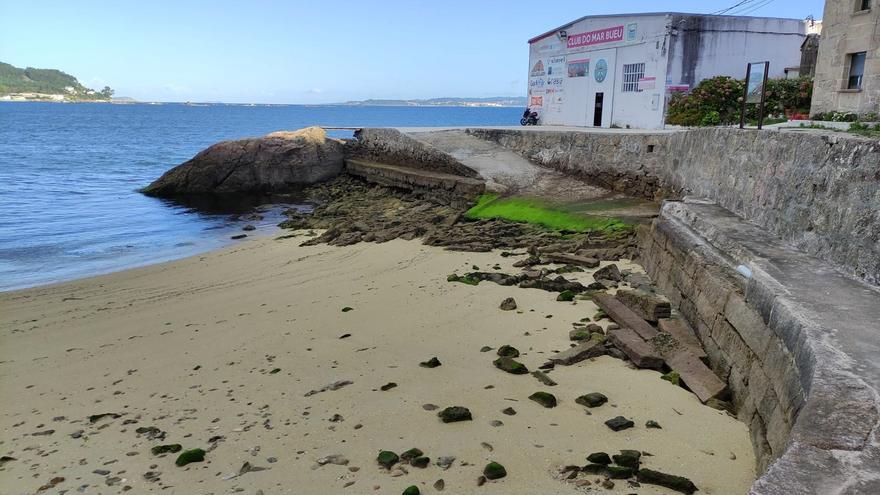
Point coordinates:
[(508, 172)]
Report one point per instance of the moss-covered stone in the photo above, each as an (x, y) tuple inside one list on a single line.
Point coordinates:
[(599, 458), (386, 459), (672, 377), (593, 468), (593, 399), (411, 454), (431, 363), (494, 471), (671, 481), (565, 296), (628, 458), (545, 399), (508, 351), (579, 334), (598, 337), (166, 449), (619, 423), (421, 462), (189, 456), (619, 472), (510, 365), (412, 490), (454, 414), (466, 279)]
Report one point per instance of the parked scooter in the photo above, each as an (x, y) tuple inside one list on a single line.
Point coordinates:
[(529, 118)]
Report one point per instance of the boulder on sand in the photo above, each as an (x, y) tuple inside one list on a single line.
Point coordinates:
[(276, 162)]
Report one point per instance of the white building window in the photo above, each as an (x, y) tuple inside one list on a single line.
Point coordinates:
[(631, 75), (856, 70)]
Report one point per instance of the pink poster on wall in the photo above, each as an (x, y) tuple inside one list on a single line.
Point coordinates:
[(606, 35)]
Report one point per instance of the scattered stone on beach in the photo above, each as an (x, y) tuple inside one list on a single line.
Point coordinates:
[(485, 348), (336, 459), (648, 305), (673, 482), (543, 378), (545, 399), (585, 350), (238, 236), (332, 386), (386, 459), (652, 424), (565, 296), (420, 462), (609, 272), (412, 490), (430, 407), (411, 454), (388, 386), (5, 459), (628, 458), (454, 414), (190, 456), (579, 334), (248, 228), (507, 351), (599, 458), (619, 423), (346, 309), (166, 449), (444, 462), (439, 485), (494, 471), (42, 433), (431, 363), (508, 304), (510, 365), (619, 472), (593, 399), (151, 432), (94, 418), (509, 411)]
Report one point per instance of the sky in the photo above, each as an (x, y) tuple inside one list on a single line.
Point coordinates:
[(273, 51)]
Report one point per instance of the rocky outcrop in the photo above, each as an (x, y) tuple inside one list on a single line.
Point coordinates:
[(275, 162)]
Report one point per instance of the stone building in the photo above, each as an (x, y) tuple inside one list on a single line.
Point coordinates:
[(619, 70), (848, 68)]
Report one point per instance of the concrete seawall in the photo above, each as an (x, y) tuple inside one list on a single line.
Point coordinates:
[(819, 193)]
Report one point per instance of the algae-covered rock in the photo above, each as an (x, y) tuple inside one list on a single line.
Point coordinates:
[(166, 449), (494, 471), (619, 423), (565, 296), (412, 490), (593, 399), (619, 472), (544, 398), (420, 462), (510, 365), (628, 458), (579, 334), (671, 481), (508, 304), (386, 459), (431, 363), (411, 454), (508, 351), (672, 377), (594, 468), (599, 458), (188, 456), (455, 413), (466, 279)]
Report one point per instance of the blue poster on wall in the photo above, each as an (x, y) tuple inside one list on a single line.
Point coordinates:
[(601, 70)]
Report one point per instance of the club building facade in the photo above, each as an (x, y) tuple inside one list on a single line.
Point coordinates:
[(620, 69)]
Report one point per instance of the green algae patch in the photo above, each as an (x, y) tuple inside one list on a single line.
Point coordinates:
[(534, 211), (189, 456)]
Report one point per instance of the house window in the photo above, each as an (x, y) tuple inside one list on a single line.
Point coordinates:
[(856, 70), (863, 5), (631, 75)]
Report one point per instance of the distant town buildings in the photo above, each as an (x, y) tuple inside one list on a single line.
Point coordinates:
[(847, 75), (618, 70)]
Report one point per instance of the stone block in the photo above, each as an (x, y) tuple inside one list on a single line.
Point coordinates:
[(572, 259), (778, 432), (624, 316), (640, 352), (700, 379), (730, 342), (684, 334), (748, 324), (585, 350), (647, 305), (719, 361)]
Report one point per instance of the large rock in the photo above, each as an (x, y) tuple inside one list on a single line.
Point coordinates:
[(276, 162)]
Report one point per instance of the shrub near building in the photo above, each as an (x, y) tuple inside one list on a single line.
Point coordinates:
[(717, 101)]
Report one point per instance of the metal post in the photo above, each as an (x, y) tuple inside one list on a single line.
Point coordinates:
[(763, 94), (742, 110)]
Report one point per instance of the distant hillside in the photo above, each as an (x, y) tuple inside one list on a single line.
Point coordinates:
[(46, 82), (494, 101)]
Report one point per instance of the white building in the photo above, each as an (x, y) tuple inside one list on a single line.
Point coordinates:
[(619, 69)]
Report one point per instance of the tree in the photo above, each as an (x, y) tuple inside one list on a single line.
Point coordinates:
[(107, 92)]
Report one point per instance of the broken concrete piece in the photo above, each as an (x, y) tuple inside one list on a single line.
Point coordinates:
[(585, 350)]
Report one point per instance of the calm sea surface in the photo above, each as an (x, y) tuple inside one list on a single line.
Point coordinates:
[(69, 175)]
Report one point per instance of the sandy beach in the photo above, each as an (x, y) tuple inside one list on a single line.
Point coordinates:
[(228, 346)]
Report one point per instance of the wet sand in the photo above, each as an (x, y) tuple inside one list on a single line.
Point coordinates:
[(190, 346)]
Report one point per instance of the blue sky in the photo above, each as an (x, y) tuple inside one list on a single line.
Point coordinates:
[(272, 51)]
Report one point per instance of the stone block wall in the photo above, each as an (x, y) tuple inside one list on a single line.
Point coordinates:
[(818, 192), (760, 372), (392, 147)]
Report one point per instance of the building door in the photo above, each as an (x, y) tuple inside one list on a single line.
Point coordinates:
[(597, 110), (601, 98)]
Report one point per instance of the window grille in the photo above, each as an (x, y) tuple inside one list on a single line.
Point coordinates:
[(631, 75)]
